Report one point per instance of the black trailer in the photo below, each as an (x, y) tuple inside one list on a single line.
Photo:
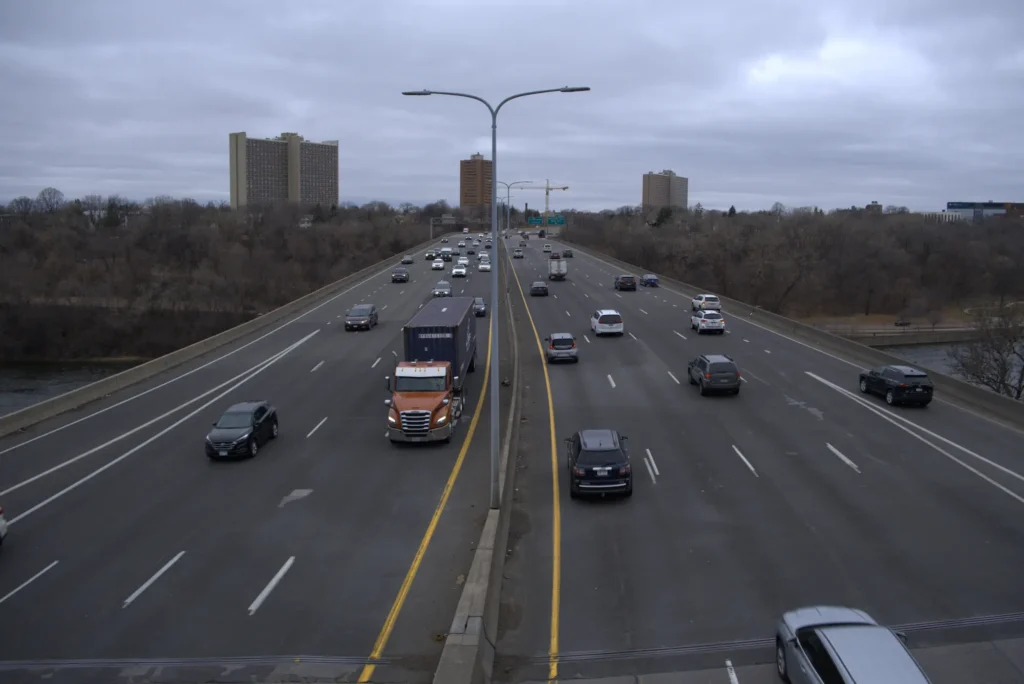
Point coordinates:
[(443, 330)]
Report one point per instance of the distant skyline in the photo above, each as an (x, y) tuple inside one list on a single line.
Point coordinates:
[(806, 102)]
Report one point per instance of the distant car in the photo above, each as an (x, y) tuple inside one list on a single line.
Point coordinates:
[(715, 373), (458, 271), (463, 261), (361, 317), (624, 282), (462, 243), (547, 248), (555, 255), (3, 525), (437, 265), (242, 430), (407, 259), (442, 289), (484, 266), (707, 321), (561, 347), (430, 255), (482, 256), (479, 307), (706, 302), (567, 254), (539, 289), (470, 250), (488, 245), (649, 280), (898, 384), (598, 463), (607, 322), (444, 239), (522, 243), (517, 254), (400, 275), (843, 645)]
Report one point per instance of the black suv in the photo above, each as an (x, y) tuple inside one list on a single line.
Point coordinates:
[(715, 373), (625, 282), (479, 307), (567, 254), (242, 430), (898, 384), (400, 275), (598, 463), (361, 317)]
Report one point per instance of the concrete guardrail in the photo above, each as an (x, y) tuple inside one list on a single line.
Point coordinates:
[(469, 649), (980, 400), (44, 410)]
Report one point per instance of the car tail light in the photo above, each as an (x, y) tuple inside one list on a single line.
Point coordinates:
[(625, 470), (551, 345), (574, 344), (738, 374), (707, 376), (579, 472), (1, 510), (902, 384)]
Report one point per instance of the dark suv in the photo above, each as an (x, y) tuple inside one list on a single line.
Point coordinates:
[(898, 384), (361, 317), (400, 275), (625, 282), (242, 430), (715, 373), (598, 463)]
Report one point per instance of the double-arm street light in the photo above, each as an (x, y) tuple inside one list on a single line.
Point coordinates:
[(508, 200), (495, 336)]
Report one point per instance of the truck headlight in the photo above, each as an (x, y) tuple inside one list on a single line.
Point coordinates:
[(441, 421), (392, 420)]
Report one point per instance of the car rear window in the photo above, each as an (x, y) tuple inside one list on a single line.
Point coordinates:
[(600, 458), (610, 319), (562, 343), (723, 368), (711, 316), (626, 279), (917, 378), (711, 299)]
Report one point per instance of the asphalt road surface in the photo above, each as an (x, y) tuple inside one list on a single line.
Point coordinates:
[(798, 491), (131, 552)]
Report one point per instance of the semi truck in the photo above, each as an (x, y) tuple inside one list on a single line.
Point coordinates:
[(426, 386), (557, 268)]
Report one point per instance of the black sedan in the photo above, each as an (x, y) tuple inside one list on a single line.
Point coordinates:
[(242, 430), (539, 289), (479, 307)]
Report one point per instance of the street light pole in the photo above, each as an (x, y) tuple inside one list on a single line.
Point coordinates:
[(508, 200), (495, 497)]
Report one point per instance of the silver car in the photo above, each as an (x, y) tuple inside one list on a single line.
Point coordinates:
[(823, 644), (561, 347)]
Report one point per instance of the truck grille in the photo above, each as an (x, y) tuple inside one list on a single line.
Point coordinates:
[(415, 423)]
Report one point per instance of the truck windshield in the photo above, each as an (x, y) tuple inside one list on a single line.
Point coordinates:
[(420, 384)]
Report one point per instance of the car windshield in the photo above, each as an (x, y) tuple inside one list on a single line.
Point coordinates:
[(600, 458), (562, 343), (420, 384), (610, 319), (359, 311), (234, 419), (723, 368)]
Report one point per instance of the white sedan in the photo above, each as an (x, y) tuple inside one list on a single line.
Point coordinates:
[(463, 261), (437, 265), (459, 271), (484, 266)]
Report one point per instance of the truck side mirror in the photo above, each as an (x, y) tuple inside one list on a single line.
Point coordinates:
[(387, 382)]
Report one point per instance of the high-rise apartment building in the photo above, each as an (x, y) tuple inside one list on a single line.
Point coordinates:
[(665, 189), (476, 176), (282, 169)]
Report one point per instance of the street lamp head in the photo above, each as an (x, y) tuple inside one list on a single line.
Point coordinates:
[(574, 89), (419, 93)]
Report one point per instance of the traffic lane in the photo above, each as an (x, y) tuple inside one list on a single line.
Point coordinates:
[(222, 529), (40, 454)]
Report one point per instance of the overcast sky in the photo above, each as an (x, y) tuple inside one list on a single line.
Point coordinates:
[(807, 102)]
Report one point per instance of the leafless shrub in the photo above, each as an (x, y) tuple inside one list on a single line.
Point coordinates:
[(996, 359)]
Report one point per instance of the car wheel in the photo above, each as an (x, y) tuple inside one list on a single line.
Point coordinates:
[(253, 447), (890, 398), (273, 430), (780, 660), (736, 391), (703, 389), (573, 494), (629, 489), (577, 360), (864, 386), (692, 381)]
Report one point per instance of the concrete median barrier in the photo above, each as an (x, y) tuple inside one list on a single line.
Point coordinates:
[(26, 417), (468, 654), (980, 400)]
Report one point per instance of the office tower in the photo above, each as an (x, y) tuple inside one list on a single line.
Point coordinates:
[(282, 169)]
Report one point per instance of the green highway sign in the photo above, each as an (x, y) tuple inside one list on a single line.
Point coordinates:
[(535, 221), (556, 220)]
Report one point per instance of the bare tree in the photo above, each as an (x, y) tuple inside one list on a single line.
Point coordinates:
[(996, 359), (22, 206), (50, 200)]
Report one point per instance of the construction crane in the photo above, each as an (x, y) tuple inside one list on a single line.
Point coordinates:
[(547, 188)]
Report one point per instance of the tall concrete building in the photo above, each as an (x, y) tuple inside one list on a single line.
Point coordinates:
[(665, 189), (476, 176), (282, 169)]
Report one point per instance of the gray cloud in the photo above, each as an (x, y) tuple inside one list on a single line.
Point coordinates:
[(826, 102)]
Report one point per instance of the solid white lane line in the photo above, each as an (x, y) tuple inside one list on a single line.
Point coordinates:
[(611, 382), (375, 363), (154, 578), (842, 457), (653, 463), (29, 581), (632, 335), (649, 471), (731, 672), (316, 427), (316, 367), (258, 367), (587, 339), (680, 334), (749, 465), (270, 586), (111, 464), (673, 377)]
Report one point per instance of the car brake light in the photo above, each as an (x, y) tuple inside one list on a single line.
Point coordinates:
[(578, 471), (1, 510), (573, 345), (707, 376), (738, 374), (552, 345), (902, 385), (624, 470)]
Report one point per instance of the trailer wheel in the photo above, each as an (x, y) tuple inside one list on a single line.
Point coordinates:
[(472, 363)]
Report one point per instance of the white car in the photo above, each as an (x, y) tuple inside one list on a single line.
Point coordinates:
[(463, 261), (459, 271), (705, 302), (482, 256), (484, 266), (707, 321), (462, 243), (547, 248), (607, 322), (437, 265), (3, 525)]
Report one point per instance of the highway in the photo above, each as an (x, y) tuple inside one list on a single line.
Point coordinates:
[(798, 491), (131, 553)]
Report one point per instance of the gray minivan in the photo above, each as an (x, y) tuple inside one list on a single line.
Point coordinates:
[(715, 373), (824, 644)]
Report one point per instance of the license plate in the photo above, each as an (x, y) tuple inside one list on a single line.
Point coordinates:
[(602, 473), (223, 453), (919, 389), (417, 439)]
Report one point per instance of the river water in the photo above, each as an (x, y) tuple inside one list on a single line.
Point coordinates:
[(24, 385)]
